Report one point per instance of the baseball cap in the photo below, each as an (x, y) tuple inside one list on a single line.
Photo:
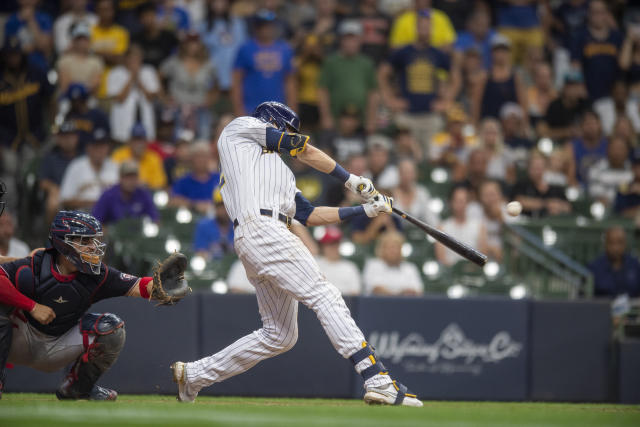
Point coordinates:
[(167, 116), (350, 110), (129, 167), (192, 35), (76, 91), (68, 126), (80, 29), (12, 44), (456, 114), (100, 135), (264, 16), (473, 50), (500, 41), (379, 141), (138, 131), (185, 135), (573, 76), (331, 234), (350, 27), (509, 109)]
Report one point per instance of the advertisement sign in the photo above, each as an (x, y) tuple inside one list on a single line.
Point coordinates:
[(445, 349)]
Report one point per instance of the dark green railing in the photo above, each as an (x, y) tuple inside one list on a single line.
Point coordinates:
[(545, 270)]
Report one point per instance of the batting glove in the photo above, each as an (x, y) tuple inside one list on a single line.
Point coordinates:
[(379, 203), (361, 186)]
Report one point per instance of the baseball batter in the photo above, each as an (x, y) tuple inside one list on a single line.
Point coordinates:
[(261, 197)]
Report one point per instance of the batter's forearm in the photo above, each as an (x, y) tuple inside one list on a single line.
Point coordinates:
[(317, 159), (323, 215)]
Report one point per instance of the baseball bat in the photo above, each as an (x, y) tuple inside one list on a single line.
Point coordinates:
[(455, 245)]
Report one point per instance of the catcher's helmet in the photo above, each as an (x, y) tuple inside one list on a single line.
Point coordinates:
[(78, 236), (277, 114)]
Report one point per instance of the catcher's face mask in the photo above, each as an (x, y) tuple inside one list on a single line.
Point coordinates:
[(90, 249)]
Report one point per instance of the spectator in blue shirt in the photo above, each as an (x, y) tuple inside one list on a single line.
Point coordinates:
[(569, 20), (596, 50), (585, 151), (419, 68), (263, 69), (127, 199), (223, 34), (33, 30), (627, 202), (84, 118), (174, 18), (213, 237), (478, 36), (194, 190), (54, 163), (616, 271)]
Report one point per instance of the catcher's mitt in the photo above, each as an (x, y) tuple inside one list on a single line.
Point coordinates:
[(169, 285)]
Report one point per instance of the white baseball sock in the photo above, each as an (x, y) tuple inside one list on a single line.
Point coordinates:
[(377, 380)]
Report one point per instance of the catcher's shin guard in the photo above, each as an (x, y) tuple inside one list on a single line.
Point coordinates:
[(6, 334), (99, 356)]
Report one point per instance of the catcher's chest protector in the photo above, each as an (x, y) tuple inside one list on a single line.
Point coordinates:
[(68, 299)]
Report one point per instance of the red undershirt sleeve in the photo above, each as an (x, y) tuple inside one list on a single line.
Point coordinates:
[(11, 296), (142, 284)]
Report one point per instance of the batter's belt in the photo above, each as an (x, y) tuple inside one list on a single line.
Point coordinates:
[(268, 212)]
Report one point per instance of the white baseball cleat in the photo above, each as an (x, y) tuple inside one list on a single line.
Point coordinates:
[(391, 394), (179, 371)]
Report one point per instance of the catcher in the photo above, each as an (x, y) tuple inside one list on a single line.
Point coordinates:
[(44, 300)]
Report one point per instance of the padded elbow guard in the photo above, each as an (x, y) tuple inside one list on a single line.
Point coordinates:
[(285, 142)]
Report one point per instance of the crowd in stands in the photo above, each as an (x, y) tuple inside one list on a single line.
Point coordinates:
[(534, 101)]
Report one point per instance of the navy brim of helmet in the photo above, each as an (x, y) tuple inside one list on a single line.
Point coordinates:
[(279, 114)]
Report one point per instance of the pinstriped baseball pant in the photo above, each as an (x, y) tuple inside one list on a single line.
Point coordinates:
[(283, 272)]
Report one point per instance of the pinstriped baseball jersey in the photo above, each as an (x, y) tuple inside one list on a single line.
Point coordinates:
[(277, 263), (253, 178)]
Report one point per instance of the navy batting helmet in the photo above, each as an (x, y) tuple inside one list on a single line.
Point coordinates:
[(78, 236), (277, 114)]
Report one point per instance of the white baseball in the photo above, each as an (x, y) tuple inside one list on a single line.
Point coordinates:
[(514, 208)]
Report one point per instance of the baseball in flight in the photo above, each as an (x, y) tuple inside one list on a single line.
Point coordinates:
[(514, 208)]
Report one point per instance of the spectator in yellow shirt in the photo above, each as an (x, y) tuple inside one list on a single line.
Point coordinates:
[(403, 30), (152, 172), (452, 147), (108, 39)]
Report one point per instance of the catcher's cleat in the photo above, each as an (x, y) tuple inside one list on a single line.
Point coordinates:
[(97, 393), (102, 393), (179, 372), (391, 394)]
